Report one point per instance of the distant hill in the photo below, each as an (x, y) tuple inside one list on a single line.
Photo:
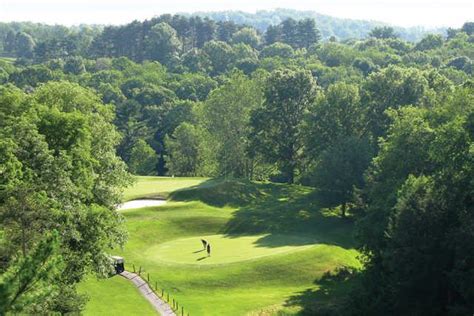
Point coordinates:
[(328, 25)]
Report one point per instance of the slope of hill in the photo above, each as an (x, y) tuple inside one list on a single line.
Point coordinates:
[(273, 247), (328, 25)]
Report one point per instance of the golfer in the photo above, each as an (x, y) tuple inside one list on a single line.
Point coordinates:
[(204, 243), (208, 250)]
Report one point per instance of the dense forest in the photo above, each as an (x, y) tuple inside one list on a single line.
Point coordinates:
[(381, 126)]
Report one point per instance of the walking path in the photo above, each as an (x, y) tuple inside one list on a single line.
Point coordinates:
[(161, 306)]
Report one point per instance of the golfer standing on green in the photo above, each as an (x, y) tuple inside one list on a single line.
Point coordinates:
[(208, 249)]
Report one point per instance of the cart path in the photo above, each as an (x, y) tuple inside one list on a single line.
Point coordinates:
[(160, 305)]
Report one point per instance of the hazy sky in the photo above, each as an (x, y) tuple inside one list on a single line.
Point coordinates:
[(398, 12)]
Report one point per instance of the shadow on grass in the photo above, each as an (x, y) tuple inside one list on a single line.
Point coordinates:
[(331, 296), (278, 210), (202, 258)]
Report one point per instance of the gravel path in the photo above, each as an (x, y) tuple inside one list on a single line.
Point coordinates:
[(161, 306)]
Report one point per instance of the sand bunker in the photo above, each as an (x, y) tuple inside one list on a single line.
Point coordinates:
[(139, 204)]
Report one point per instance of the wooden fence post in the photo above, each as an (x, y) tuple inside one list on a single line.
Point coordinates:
[(182, 311), (140, 271), (134, 268), (148, 277), (156, 286)]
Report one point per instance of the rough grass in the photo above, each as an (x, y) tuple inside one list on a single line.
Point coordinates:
[(114, 296), (288, 244)]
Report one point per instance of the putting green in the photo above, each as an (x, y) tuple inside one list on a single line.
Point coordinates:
[(227, 249)]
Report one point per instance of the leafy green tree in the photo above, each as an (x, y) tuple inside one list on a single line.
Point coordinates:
[(336, 115), (468, 28), (308, 34), (74, 65), (431, 41), (277, 125), (24, 45), (383, 32), (9, 44), (277, 50), (59, 165), (183, 146), (419, 213), (143, 159), (220, 56), (340, 169), (162, 43), (392, 87), (247, 36), (30, 279), (273, 34), (227, 121)]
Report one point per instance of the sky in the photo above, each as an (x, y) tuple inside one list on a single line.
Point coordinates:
[(428, 13)]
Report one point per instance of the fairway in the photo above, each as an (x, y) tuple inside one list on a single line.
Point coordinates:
[(159, 187), (227, 249), (270, 244)]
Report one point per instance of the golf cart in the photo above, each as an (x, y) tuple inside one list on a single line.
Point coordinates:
[(118, 264)]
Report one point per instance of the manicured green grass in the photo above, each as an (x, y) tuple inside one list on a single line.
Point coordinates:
[(114, 296), (159, 186), (226, 249), (271, 245)]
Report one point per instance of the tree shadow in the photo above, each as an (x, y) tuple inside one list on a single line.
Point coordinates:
[(331, 295), (278, 210)]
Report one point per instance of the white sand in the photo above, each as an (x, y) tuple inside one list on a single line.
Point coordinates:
[(140, 203)]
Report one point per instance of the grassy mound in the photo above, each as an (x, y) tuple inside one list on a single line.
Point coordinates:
[(272, 245)]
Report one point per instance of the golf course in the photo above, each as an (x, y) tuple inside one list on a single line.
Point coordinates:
[(271, 246)]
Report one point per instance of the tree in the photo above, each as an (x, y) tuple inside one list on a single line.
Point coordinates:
[(220, 55), (24, 45), (273, 34), (289, 32), (277, 125), (340, 169), (383, 32), (9, 44), (61, 157), (392, 87), (277, 50), (431, 41), (247, 36), (183, 157), (30, 279), (468, 28), (74, 65), (336, 115), (226, 119), (419, 213), (162, 43), (143, 159), (308, 34)]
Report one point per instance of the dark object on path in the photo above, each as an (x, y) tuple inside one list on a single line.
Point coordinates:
[(204, 243), (208, 250), (119, 264)]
